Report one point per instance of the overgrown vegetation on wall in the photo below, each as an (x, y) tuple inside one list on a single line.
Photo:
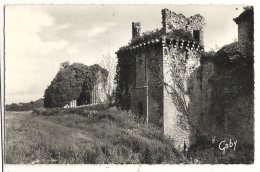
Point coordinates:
[(72, 82), (126, 67), (227, 108), (233, 83), (125, 80), (159, 33), (213, 91)]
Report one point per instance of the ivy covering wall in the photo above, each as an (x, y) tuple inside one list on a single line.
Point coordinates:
[(126, 66), (233, 85), (125, 80)]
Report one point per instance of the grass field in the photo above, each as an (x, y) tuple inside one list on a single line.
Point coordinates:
[(111, 137), (105, 136)]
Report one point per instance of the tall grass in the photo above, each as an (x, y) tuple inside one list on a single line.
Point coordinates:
[(86, 137), (101, 136)]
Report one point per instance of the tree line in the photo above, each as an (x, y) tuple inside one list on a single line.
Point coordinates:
[(24, 106)]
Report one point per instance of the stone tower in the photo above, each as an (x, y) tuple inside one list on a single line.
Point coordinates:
[(150, 99), (245, 22), (136, 29)]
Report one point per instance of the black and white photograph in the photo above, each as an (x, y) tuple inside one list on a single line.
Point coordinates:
[(128, 84)]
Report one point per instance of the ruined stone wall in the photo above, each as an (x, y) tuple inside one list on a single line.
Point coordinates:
[(200, 90), (204, 114), (177, 123), (172, 21), (245, 31), (245, 22), (71, 104), (140, 70), (138, 94), (147, 81), (196, 23), (155, 76), (153, 73), (239, 119), (232, 108), (136, 29), (234, 86)]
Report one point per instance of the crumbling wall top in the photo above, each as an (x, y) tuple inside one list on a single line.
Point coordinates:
[(136, 29), (172, 21)]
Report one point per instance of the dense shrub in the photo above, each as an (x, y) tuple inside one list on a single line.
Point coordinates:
[(84, 110), (48, 111), (73, 82)]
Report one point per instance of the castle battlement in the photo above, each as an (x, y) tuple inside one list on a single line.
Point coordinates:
[(171, 21), (174, 43)]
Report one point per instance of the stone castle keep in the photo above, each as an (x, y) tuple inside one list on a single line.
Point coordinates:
[(166, 69), (149, 99)]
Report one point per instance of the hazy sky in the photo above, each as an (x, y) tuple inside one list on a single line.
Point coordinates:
[(38, 38)]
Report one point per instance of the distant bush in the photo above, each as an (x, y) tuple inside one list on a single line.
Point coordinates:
[(39, 111), (84, 110), (48, 111), (24, 106)]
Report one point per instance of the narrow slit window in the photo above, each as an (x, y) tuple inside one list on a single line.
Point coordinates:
[(196, 35)]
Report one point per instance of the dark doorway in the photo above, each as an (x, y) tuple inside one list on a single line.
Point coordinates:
[(140, 110), (83, 99)]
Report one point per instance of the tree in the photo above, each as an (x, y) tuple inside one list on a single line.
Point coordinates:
[(64, 65), (109, 64), (72, 82), (248, 8)]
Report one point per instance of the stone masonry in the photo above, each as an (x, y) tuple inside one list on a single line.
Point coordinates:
[(245, 22), (153, 97), (150, 99), (194, 24)]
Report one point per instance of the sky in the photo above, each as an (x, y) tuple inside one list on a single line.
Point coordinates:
[(40, 37)]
